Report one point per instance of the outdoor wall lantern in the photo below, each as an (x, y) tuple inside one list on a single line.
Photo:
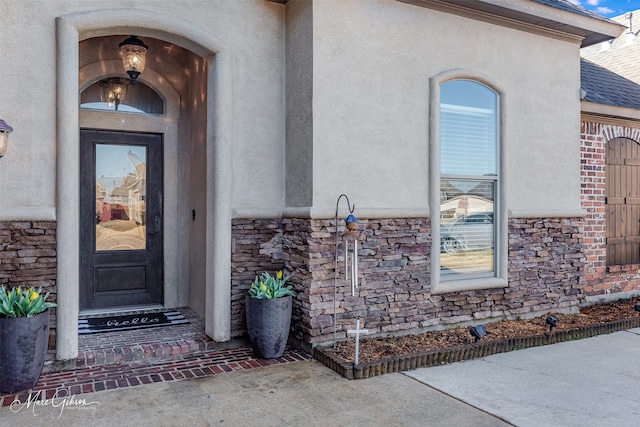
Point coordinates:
[(134, 53), (5, 130)]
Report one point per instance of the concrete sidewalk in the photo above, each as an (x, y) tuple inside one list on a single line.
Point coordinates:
[(295, 394), (590, 382)]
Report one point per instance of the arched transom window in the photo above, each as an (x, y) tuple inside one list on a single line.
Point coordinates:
[(118, 94)]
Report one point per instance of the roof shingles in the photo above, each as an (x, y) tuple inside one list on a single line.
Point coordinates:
[(603, 86), (612, 76)]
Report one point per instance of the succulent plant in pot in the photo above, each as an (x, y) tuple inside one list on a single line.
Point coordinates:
[(24, 336), (268, 308)]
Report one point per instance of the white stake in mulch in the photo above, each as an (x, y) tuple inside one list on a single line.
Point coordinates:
[(357, 331)]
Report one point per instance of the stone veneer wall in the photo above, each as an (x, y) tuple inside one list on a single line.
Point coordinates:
[(256, 246), (546, 264), (600, 279), (28, 258)]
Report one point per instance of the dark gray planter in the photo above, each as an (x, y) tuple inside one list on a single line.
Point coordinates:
[(23, 348), (268, 322)]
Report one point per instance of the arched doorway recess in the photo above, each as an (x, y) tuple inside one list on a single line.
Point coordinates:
[(213, 130)]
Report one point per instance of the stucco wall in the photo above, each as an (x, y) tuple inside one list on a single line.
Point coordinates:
[(252, 31), (242, 44), (372, 63), (365, 123), (196, 213), (299, 104)]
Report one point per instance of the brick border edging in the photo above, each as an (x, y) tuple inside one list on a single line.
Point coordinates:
[(90, 379), (406, 362)]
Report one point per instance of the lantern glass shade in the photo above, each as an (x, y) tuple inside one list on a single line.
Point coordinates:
[(133, 52), (133, 57), (5, 130), (4, 139)]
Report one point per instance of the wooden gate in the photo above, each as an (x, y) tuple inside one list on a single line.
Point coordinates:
[(623, 202)]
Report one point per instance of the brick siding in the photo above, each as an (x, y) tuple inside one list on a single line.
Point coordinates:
[(601, 279), (28, 258)]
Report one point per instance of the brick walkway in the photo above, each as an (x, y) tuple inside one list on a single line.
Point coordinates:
[(117, 360)]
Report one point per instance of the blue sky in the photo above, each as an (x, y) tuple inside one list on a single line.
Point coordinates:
[(609, 8)]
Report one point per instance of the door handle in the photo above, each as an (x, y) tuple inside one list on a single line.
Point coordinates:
[(156, 227)]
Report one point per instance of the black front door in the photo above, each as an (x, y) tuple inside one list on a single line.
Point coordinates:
[(121, 219)]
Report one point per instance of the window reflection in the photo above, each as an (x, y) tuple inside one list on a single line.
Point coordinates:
[(468, 178), (468, 129), (118, 94), (121, 180), (466, 226)]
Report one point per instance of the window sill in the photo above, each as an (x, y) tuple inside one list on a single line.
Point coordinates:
[(444, 287), (626, 268)]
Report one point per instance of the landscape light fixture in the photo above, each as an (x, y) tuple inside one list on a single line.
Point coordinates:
[(478, 332), (552, 321), (637, 306), (5, 130), (134, 55)]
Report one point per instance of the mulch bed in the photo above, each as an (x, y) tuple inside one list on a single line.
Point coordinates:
[(394, 354)]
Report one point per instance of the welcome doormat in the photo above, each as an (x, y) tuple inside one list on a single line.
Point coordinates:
[(130, 322)]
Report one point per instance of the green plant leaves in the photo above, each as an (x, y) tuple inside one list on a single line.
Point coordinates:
[(267, 286), (20, 302)]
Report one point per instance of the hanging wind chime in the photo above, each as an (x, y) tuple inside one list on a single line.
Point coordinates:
[(350, 239)]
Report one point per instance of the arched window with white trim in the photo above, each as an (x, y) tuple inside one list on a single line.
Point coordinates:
[(469, 181)]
